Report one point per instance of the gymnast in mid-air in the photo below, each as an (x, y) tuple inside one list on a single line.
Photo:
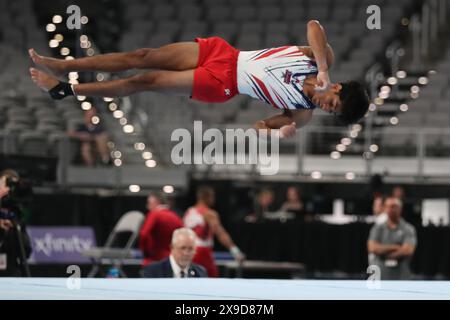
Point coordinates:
[(294, 79)]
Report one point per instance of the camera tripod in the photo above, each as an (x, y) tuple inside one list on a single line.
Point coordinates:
[(23, 255)]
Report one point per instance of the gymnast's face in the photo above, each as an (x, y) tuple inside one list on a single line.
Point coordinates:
[(329, 101), (210, 199)]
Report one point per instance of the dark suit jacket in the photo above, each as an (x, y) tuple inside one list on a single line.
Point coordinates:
[(163, 269)]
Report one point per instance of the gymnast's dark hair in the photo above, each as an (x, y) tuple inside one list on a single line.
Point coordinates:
[(204, 192), (355, 102)]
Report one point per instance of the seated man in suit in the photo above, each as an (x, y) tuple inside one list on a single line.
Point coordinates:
[(179, 264)]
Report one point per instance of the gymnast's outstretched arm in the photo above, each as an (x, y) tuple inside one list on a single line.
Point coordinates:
[(287, 122)]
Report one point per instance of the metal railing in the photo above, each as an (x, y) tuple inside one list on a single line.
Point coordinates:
[(418, 145)]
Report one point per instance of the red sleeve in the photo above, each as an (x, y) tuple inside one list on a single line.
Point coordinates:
[(145, 234)]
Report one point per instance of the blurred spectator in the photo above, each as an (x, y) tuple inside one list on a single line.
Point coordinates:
[(378, 210), (376, 185), (399, 193), (411, 211), (294, 202), (15, 245), (179, 263), (156, 232), (264, 201), (206, 223), (392, 244), (93, 138)]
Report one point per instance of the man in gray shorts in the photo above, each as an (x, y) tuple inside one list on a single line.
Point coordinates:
[(392, 243)]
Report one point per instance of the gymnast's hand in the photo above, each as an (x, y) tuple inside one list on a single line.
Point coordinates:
[(323, 81), (240, 258), (237, 254), (288, 131)]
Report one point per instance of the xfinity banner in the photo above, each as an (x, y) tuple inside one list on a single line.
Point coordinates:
[(60, 244)]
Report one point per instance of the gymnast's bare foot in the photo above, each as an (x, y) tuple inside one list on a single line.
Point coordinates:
[(43, 80), (53, 65)]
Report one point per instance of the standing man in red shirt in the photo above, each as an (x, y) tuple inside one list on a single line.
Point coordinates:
[(156, 233)]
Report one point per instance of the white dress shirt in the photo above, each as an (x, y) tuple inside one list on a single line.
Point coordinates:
[(176, 268)]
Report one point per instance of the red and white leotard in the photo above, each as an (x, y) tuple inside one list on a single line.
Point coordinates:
[(195, 220), (276, 76)]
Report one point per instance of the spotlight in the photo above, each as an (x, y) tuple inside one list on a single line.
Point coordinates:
[(350, 176), (346, 141), (168, 189), (58, 37), (374, 148), (379, 101), (139, 146), (73, 75), (316, 175), (134, 188), (95, 120), (113, 106), (401, 74), (147, 155), (53, 43), (335, 155), (394, 121), (86, 105), (423, 80), (50, 27), (118, 114), (128, 128), (150, 163), (415, 89), (64, 51), (57, 19), (392, 81), (341, 148)]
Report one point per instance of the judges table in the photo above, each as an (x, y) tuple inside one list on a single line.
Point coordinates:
[(326, 247)]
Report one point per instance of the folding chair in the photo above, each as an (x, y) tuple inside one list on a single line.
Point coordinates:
[(130, 222)]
